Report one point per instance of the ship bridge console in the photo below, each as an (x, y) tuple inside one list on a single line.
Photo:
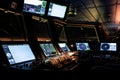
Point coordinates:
[(40, 40)]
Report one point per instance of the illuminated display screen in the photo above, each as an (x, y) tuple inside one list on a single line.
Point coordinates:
[(64, 47), (48, 49), (35, 6), (108, 46), (17, 53), (82, 46), (57, 10)]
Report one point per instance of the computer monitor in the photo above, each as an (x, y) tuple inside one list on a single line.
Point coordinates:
[(108, 46), (57, 10), (48, 49), (35, 7), (82, 46), (18, 53), (64, 47)]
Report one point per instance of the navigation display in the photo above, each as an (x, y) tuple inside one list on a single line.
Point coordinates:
[(18, 53), (35, 6), (48, 49), (57, 10), (82, 46), (64, 47), (108, 46)]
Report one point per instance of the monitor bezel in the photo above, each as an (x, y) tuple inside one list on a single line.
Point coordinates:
[(66, 45), (41, 42), (56, 17), (108, 50), (35, 14), (88, 43), (15, 43)]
